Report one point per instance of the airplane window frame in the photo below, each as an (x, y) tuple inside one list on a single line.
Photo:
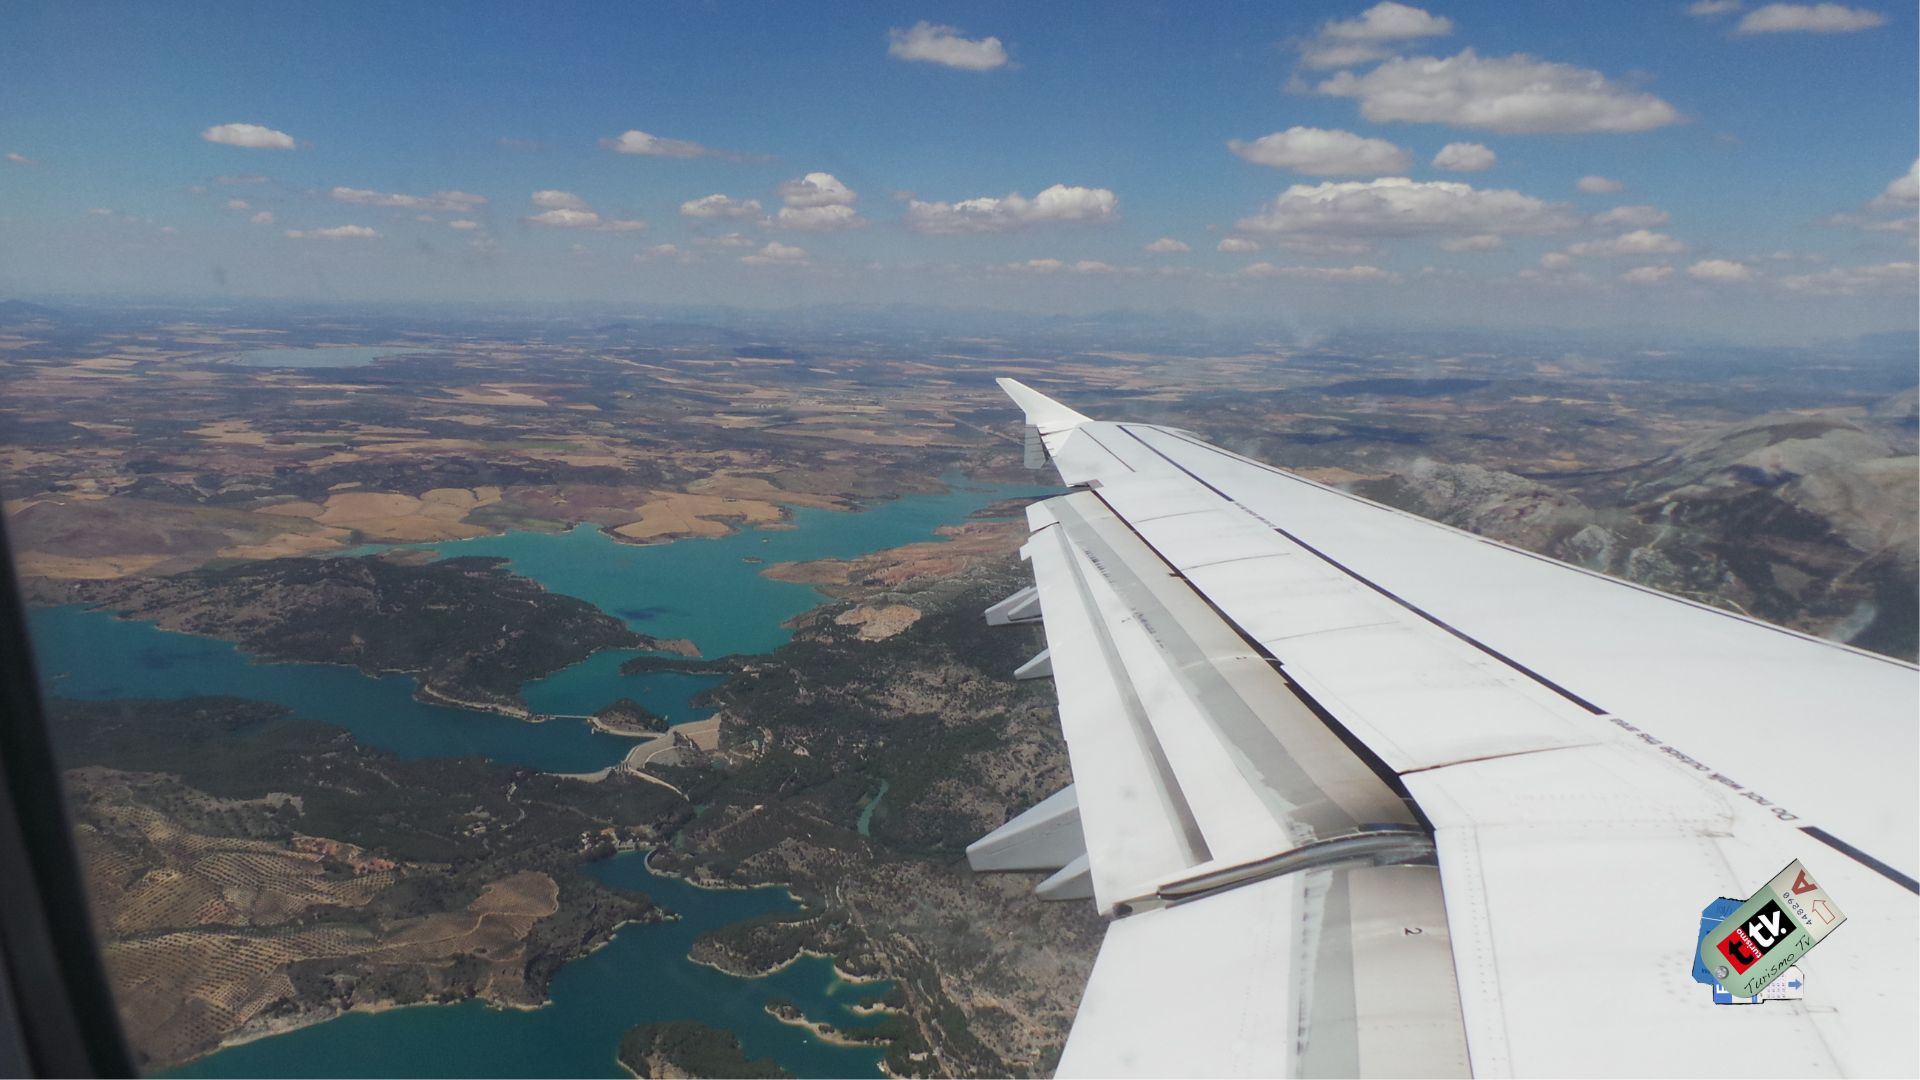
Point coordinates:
[(57, 1012)]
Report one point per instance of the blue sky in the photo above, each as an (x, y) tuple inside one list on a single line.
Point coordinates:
[(1757, 157)]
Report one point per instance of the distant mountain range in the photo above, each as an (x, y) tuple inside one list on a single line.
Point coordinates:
[(1807, 520), (19, 311)]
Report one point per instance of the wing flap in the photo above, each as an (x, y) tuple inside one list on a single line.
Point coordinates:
[(1189, 749), (1136, 825), (1339, 972)]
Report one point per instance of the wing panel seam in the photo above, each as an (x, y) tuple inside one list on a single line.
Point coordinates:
[(1354, 744), (1386, 592), (1490, 542)]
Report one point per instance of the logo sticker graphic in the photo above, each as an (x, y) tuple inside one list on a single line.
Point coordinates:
[(1759, 942), (1764, 931)]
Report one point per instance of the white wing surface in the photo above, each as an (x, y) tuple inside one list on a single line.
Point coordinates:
[(1367, 795)]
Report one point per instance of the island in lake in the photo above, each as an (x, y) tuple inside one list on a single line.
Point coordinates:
[(688, 1048)]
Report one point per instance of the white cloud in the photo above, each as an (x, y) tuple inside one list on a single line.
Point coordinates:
[(1321, 247), (263, 217), (20, 159), (1808, 18), (1167, 245), (1464, 157), (1389, 21), (1323, 55), (943, 45), (776, 254), (1238, 245), (252, 136), (1395, 206), (1599, 185), (459, 202), (817, 202), (565, 210), (1900, 197), (720, 206), (639, 142), (240, 178), (1633, 217), (239, 204), (338, 232), (1321, 152), (584, 219), (1518, 94), (1344, 274), (816, 189), (1903, 192), (1647, 275), (564, 218), (1057, 204), (728, 240), (1849, 281), (1637, 242), (1556, 260), (1906, 226), (101, 211), (1055, 266), (559, 200), (1482, 242), (463, 225), (1360, 40), (818, 218), (1704, 9), (1719, 270)]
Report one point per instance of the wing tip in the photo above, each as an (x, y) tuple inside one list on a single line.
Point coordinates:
[(1042, 411)]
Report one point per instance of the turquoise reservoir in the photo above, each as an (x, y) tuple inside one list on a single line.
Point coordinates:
[(705, 590), (643, 975)]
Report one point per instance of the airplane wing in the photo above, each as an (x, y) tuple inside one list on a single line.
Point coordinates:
[(1366, 795)]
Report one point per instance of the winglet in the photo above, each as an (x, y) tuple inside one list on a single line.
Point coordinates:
[(1042, 411)]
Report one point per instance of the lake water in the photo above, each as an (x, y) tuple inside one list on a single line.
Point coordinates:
[(94, 656), (342, 357), (642, 976), (706, 590), (868, 807), (710, 591)]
